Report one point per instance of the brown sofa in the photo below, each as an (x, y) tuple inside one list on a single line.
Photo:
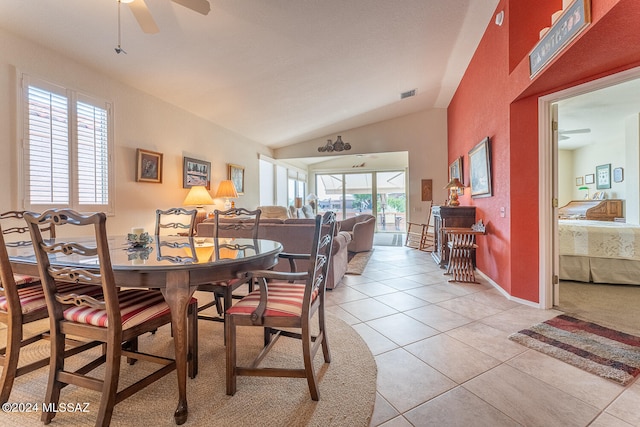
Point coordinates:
[(296, 236), (361, 229)]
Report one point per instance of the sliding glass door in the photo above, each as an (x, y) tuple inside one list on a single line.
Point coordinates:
[(351, 194)]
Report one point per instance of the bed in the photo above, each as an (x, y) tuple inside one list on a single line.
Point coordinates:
[(599, 251)]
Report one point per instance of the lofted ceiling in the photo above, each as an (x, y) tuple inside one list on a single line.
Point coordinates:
[(598, 116), (276, 71)]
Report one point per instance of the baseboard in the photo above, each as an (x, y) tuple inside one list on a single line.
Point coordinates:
[(506, 294)]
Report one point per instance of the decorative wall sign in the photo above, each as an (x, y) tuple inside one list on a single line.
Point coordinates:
[(566, 28)]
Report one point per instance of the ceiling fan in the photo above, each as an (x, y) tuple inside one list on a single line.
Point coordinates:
[(562, 134), (145, 20), (148, 24)]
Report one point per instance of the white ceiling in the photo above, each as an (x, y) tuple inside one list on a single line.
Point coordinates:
[(602, 112), (276, 71)]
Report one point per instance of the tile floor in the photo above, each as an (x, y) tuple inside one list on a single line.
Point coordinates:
[(444, 358)]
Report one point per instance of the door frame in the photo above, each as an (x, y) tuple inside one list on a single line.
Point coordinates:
[(547, 178)]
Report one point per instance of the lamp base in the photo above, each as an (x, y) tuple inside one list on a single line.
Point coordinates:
[(453, 198), (227, 204)]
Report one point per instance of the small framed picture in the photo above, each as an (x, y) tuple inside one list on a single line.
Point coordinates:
[(455, 171), (148, 166), (603, 176), (579, 181), (618, 175), (589, 178), (236, 174), (196, 172)]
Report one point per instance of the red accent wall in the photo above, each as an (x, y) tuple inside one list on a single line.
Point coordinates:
[(497, 98)]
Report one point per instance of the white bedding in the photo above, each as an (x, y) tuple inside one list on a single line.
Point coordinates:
[(601, 239), (599, 251)]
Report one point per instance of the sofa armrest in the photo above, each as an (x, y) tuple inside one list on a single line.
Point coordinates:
[(363, 236)]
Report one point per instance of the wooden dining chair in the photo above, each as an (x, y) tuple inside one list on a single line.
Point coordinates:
[(114, 317), (232, 223), (282, 302), (176, 221), (22, 302)]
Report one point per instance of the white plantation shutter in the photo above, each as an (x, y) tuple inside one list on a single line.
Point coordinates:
[(67, 149), (93, 155), (48, 148)]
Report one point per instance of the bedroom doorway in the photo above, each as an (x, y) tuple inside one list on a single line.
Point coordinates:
[(574, 128)]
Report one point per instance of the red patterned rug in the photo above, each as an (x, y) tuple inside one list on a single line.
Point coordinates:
[(594, 348)]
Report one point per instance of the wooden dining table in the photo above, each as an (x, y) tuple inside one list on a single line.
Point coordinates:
[(176, 265)]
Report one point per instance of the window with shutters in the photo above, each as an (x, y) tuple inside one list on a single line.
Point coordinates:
[(67, 149)]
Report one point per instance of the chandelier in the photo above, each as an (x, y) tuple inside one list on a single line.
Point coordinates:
[(334, 146)]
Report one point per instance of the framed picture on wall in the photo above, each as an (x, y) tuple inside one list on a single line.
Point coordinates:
[(579, 181), (455, 171), (236, 175), (480, 169), (589, 178), (603, 176), (196, 172), (618, 175), (148, 166)]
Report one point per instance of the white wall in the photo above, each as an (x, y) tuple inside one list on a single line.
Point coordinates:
[(632, 169), (141, 121), (567, 189), (423, 135)]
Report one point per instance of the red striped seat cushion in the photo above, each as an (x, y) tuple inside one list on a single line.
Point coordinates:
[(24, 279), (32, 297), (136, 306), (285, 299)]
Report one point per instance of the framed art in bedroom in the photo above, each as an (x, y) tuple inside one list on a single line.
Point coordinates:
[(589, 178), (603, 176)]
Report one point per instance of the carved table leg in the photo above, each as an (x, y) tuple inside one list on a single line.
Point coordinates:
[(178, 293)]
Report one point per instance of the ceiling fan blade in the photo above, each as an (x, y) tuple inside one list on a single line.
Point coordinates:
[(200, 6), (568, 132), (143, 16)]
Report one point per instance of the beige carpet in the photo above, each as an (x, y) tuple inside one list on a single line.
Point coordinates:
[(347, 386), (614, 306), (358, 262)]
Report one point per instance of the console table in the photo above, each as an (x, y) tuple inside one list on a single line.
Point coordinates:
[(449, 216)]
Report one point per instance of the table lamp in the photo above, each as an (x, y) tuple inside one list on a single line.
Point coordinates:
[(227, 190), (453, 186), (584, 187), (198, 196)]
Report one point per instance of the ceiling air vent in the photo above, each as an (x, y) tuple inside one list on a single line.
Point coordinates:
[(408, 94)]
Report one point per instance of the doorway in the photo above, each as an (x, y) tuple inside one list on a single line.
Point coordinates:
[(553, 187), (352, 194)]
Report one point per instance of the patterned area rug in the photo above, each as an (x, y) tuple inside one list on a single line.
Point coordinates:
[(602, 351), (358, 262)]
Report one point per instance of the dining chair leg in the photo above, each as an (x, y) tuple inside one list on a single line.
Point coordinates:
[(11, 354), (110, 385), (53, 385), (307, 356), (230, 334)]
